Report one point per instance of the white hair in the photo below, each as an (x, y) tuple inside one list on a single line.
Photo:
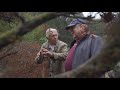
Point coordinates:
[(49, 31)]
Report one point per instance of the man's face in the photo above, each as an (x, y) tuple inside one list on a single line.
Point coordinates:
[(53, 37), (77, 31)]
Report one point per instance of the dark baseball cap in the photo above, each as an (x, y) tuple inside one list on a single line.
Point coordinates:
[(75, 22)]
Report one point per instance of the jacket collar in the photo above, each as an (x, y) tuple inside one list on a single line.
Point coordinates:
[(56, 46)]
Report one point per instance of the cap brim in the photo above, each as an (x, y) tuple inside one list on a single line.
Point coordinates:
[(67, 27)]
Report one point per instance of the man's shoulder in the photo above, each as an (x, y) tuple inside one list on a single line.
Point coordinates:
[(45, 44), (93, 36), (61, 42)]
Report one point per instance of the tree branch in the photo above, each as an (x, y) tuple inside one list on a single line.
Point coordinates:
[(12, 53), (94, 68), (105, 61), (12, 36), (68, 15), (20, 17)]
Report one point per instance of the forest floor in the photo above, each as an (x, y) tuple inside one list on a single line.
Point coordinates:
[(17, 61)]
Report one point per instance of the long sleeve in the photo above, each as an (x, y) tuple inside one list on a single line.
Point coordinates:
[(39, 59)]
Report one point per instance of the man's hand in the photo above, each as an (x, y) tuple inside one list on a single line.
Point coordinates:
[(46, 53), (38, 54)]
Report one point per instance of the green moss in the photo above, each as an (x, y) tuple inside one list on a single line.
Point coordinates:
[(36, 35)]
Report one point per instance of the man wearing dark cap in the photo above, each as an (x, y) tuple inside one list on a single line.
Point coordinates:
[(85, 45)]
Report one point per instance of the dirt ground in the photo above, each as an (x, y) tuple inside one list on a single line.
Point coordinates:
[(17, 61)]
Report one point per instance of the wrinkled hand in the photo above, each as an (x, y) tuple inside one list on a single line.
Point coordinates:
[(46, 53)]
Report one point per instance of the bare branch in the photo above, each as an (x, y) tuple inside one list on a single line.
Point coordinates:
[(68, 15), (12, 53)]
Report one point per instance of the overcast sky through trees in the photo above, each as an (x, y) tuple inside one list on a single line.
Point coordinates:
[(93, 13)]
